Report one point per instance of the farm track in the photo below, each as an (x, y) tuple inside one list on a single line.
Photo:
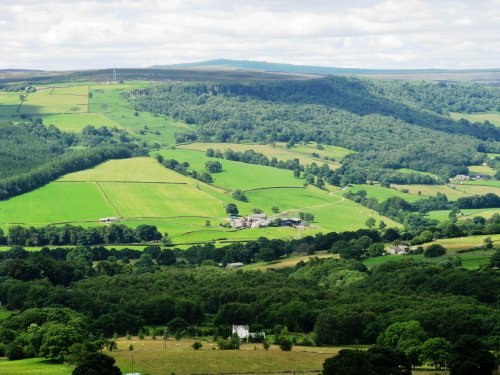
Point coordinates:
[(107, 200)]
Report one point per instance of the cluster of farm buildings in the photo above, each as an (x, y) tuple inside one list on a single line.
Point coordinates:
[(262, 221), (460, 178)]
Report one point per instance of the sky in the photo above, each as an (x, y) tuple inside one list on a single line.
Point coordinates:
[(80, 34)]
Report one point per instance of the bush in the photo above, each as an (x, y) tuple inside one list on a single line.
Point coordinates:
[(434, 250), (286, 345), (197, 345)]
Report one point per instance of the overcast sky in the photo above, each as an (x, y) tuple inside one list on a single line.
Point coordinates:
[(74, 34)]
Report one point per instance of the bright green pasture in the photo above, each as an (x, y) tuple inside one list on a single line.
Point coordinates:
[(111, 101), (286, 199), (161, 200), (277, 151), (236, 175), (482, 170), (75, 122), (382, 193), (33, 366), (54, 203), (80, 90), (141, 169), (493, 117), (345, 215), (442, 215)]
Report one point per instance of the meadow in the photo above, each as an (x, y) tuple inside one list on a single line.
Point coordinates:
[(493, 117), (151, 357)]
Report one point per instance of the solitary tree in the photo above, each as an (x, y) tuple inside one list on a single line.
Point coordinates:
[(232, 209), (434, 250), (370, 222)]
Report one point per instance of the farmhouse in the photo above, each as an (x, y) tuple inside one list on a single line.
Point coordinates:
[(108, 220), (243, 332), (262, 221), (398, 250)]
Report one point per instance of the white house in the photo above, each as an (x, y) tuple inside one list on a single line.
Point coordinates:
[(243, 332)]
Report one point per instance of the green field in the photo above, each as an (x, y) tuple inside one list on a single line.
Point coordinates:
[(279, 151), (33, 366), (382, 193), (493, 117), (481, 170), (442, 215), (236, 175), (131, 170), (491, 183), (69, 107), (56, 202), (453, 192), (141, 191), (110, 100)]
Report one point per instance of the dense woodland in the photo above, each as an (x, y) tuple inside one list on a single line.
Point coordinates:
[(390, 124), (338, 302), (32, 154)]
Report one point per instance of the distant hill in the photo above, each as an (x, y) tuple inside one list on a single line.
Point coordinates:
[(309, 69), (20, 71)]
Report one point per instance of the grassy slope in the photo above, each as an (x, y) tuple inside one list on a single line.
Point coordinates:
[(236, 175)]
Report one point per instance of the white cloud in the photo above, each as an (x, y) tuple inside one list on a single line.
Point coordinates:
[(71, 34)]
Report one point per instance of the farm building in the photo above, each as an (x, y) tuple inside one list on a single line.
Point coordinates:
[(261, 221), (398, 250), (108, 220), (234, 265), (243, 332)]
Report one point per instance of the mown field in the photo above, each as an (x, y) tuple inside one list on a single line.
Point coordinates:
[(150, 357)]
